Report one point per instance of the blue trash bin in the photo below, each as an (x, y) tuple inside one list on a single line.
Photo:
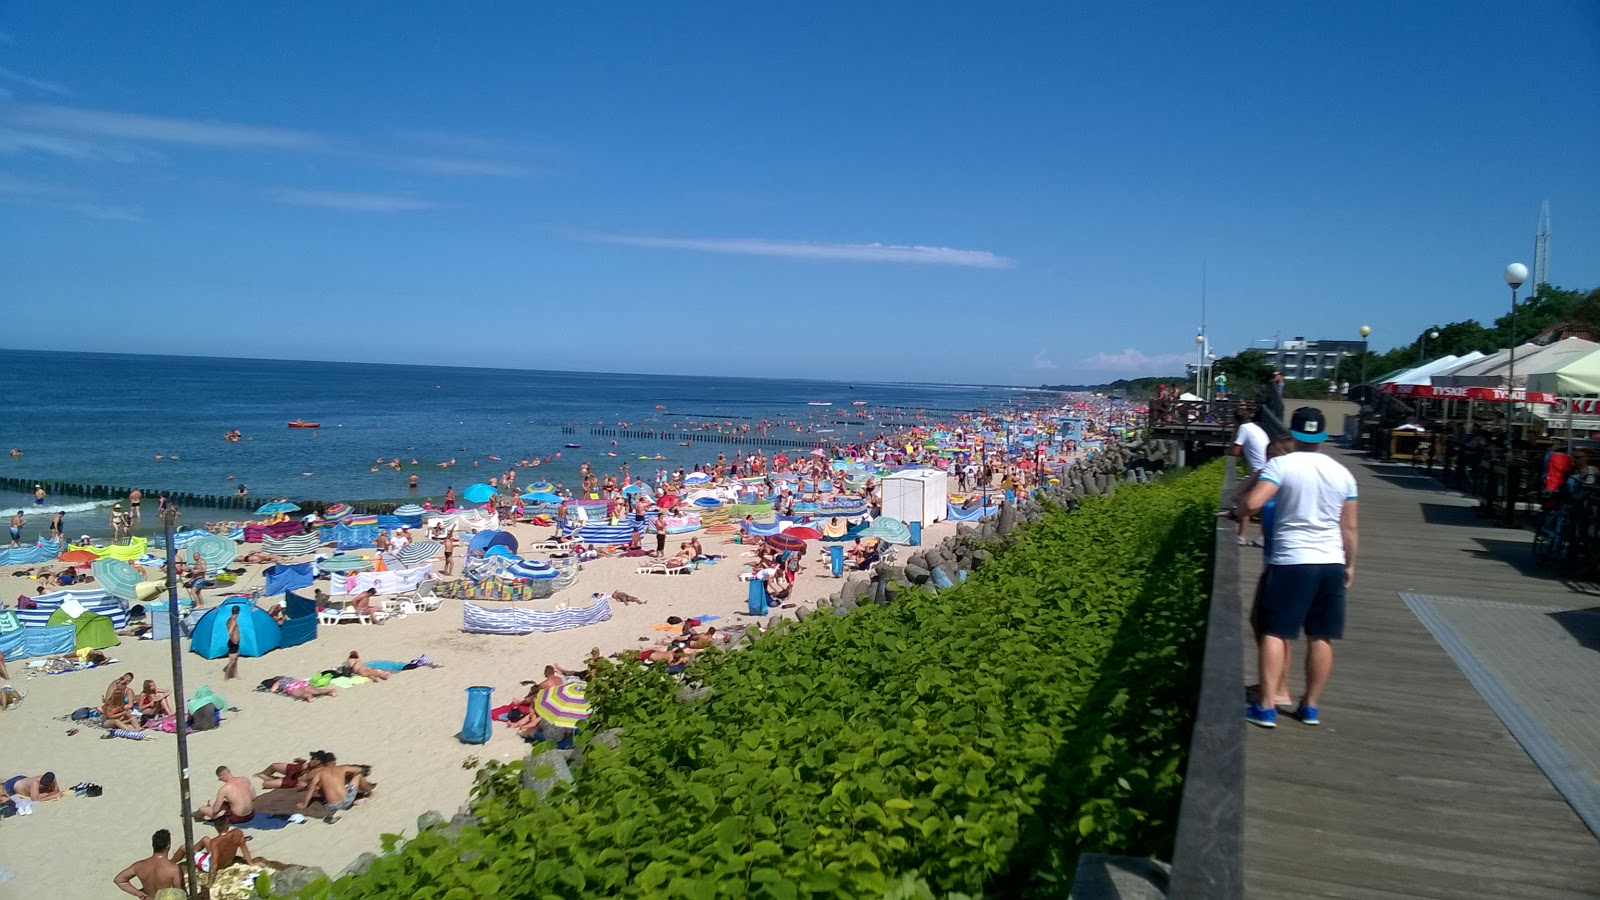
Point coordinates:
[(758, 597), (475, 729), (836, 560), (916, 533)]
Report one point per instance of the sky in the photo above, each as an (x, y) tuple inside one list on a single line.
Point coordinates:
[(1014, 193)]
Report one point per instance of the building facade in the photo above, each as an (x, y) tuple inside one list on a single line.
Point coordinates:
[(1300, 359)]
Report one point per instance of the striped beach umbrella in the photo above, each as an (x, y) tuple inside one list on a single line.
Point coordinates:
[(890, 529), (696, 478), (337, 512), (529, 568), (541, 487), (118, 577), (216, 550), (563, 706), (418, 552), (343, 562), (408, 510), (275, 507), (784, 541)]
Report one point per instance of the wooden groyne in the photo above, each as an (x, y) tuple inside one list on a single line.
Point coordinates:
[(184, 499)]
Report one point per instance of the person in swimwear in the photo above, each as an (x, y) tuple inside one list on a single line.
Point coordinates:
[(354, 667), (153, 701), (116, 707), (45, 787), (158, 876), (236, 799), (298, 688), (16, 528), (288, 774), (339, 787), (231, 670)]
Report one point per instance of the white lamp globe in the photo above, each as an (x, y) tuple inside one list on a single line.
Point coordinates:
[(1516, 274)]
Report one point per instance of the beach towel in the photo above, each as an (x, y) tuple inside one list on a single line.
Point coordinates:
[(388, 665)]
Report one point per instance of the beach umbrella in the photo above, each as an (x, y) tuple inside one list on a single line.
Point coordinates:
[(275, 507), (696, 478), (888, 528), (216, 550), (564, 705), (529, 568), (478, 493), (672, 501), (337, 512), (78, 556), (783, 540), (542, 487), (118, 577), (343, 562), (633, 489), (408, 510), (804, 533), (418, 552), (541, 497)]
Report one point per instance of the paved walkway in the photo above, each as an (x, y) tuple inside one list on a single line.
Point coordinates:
[(1459, 755)]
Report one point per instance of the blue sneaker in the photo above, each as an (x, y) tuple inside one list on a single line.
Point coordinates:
[(1264, 716), (1307, 715)]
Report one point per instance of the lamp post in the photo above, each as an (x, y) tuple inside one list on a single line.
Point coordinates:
[(1515, 274), (169, 521), (1199, 363), (1432, 333), (1211, 367), (1366, 332)]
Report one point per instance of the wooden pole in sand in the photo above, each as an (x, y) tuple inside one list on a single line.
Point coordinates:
[(191, 877)]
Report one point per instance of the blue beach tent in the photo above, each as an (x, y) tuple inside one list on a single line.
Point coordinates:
[(301, 626), (483, 541), (258, 633)]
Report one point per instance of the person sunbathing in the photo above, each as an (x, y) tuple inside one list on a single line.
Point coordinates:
[(153, 701), (692, 549), (116, 707), (355, 668), (216, 852), (261, 556), (45, 787), (554, 677), (338, 787), (291, 775), (363, 602), (298, 688)]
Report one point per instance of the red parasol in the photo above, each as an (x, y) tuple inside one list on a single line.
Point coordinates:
[(804, 533), (785, 541)]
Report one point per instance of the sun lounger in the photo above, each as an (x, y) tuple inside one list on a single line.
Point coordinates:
[(662, 569), (554, 545), (421, 600)]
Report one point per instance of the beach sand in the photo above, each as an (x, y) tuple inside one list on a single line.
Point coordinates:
[(404, 728)]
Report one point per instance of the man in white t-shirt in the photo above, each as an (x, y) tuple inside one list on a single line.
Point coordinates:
[(1313, 560), (1250, 442)]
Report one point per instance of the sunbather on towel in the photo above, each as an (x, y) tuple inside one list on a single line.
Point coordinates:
[(354, 667), (116, 707), (287, 774), (236, 799), (45, 787), (153, 701), (298, 688)]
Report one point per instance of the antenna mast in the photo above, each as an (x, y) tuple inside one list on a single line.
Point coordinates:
[(1541, 249)]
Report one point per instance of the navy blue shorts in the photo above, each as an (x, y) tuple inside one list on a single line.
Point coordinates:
[(1304, 596)]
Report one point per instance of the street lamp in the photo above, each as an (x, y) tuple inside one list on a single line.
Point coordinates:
[(1433, 333), (1366, 332), (1211, 368), (1516, 274), (1199, 362)]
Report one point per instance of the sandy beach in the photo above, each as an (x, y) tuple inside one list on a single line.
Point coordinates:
[(404, 728)]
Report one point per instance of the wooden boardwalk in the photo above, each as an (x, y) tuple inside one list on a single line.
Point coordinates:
[(1413, 786)]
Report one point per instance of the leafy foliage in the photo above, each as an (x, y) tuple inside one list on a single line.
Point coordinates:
[(970, 741)]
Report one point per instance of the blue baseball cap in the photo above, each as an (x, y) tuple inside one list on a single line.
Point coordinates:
[(1307, 425)]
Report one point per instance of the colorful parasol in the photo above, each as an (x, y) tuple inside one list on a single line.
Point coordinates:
[(563, 706), (785, 541)]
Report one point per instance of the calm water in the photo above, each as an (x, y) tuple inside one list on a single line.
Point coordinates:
[(99, 418)]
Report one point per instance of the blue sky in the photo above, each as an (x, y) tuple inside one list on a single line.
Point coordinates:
[(1013, 193)]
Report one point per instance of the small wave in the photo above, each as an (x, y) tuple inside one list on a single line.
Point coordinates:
[(53, 508)]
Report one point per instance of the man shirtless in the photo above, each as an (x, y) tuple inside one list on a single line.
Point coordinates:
[(231, 670), (236, 799), (214, 853), (339, 787), (155, 872), (45, 787)]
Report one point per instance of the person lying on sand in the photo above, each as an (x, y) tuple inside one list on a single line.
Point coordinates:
[(44, 787), (298, 688), (354, 667), (289, 775), (236, 799), (261, 556)]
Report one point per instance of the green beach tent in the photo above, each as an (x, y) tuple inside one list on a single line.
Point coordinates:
[(94, 631)]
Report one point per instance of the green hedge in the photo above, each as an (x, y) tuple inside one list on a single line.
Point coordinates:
[(973, 741)]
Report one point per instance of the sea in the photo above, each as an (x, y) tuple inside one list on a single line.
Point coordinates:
[(158, 423)]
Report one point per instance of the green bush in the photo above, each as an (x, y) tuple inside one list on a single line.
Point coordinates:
[(970, 741)]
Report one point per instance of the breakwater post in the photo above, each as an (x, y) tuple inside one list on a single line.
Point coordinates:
[(183, 499)]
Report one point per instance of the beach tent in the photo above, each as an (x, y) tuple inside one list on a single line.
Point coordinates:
[(1575, 377), (1453, 377), (258, 633), (483, 541), (91, 631), (916, 495), (1423, 373), (302, 623)]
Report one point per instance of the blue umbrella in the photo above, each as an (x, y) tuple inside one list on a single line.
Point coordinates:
[(542, 487), (541, 497), (275, 507), (478, 493)]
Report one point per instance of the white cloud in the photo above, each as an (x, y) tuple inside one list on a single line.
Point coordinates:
[(37, 84), (1131, 362), (877, 253), (17, 142), (98, 123), (351, 202), (1039, 361), (445, 165), (104, 212)]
